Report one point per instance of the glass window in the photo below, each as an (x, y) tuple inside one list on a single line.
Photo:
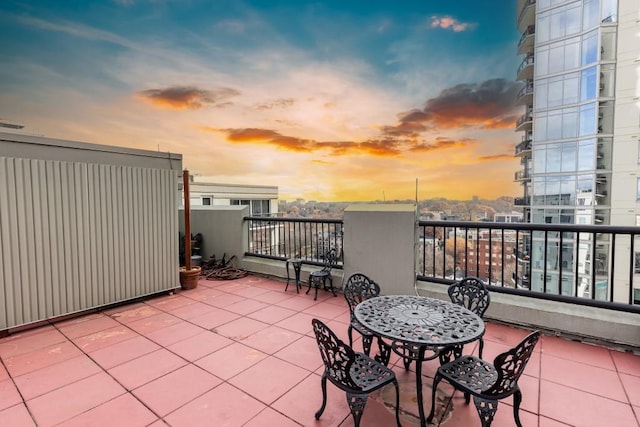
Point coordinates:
[(588, 84), (572, 19), (587, 119), (554, 124), (591, 14), (586, 155), (553, 159), (206, 201), (555, 92), (541, 63), (556, 59), (570, 90), (570, 123), (572, 54), (540, 94), (542, 27), (590, 48), (638, 190), (540, 126), (539, 160), (609, 10), (569, 157)]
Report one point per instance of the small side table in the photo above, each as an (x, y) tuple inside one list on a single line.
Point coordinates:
[(297, 266)]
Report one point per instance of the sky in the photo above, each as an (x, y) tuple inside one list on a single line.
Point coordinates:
[(328, 100)]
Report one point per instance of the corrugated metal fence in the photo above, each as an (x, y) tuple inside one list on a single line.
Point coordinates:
[(75, 236)]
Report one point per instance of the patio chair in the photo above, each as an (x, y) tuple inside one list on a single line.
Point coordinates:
[(355, 373), (472, 294), (356, 289), (487, 382), (324, 275)]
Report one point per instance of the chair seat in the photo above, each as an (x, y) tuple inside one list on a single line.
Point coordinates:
[(363, 330), (320, 273), (473, 374), (369, 374)]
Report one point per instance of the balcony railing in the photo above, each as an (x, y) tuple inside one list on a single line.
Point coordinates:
[(526, 8), (526, 62), (582, 258), (531, 30), (524, 146), (522, 175), (522, 201), (283, 238), (526, 90)]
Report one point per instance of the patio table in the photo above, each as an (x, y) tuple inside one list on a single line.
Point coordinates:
[(417, 324)]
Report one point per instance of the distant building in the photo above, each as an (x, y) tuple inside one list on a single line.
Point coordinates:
[(262, 199), (508, 217)]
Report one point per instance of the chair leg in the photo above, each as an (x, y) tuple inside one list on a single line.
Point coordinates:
[(384, 352), (323, 382), (356, 403), (316, 285), (480, 347), (366, 344), (333, 291), (486, 409), (395, 384), (517, 398), (350, 334), (436, 380), (309, 288)]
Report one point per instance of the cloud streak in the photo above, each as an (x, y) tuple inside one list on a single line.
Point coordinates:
[(188, 97), (449, 23)]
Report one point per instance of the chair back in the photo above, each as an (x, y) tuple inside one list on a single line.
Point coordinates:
[(358, 288), (336, 355), (330, 259), (510, 365), (470, 293)]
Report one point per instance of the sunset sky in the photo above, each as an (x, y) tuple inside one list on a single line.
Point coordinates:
[(328, 100)]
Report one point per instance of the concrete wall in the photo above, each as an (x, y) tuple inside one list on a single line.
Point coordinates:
[(380, 241), (222, 227)]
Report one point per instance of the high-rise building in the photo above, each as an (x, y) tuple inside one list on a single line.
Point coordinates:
[(579, 150)]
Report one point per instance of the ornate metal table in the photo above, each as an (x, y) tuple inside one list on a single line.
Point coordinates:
[(416, 324)]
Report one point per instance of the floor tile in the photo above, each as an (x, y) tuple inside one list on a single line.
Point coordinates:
[(149, 324), (249, 292), (602, 382), (269, 379), (271, 314), (303, 352), (214, 318), (578, 352), (231, 360), (9, 395), (547, 422), (506, 335), (240, 329), (223, 406), (146, 368), (272, 297), (105, 338), (124, 410), (29, 341), (174, 333), (300, 323), (4, 375), (203, 294), (246, 306), (270, 418), (168, 393), (169, 302), (192, 310), (626, 362), (123, 351), (579, 408), (199, 345), (86, 325), (17, 415), (135, 313), (74, 399), (38, 359), (44, 380), (224, 300), (631, 385), (326, 310), (298, 303), (271, 339), (302, 401)]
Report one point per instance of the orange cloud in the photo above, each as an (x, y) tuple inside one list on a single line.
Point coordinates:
[(188, 97), (496, 157), (282, 103), (449, 23), (441, 143)]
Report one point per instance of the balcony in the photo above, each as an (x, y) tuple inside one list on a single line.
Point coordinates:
[(523, 148), (527, 40), (525, 95), (525, 70), (522, 201), (527, 14), (525, 122), (210, 356), (522, 175)]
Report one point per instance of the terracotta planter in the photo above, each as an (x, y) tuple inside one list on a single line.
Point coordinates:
[(189, 278)]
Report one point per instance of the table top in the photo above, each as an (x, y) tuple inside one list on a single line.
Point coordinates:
[(294, 260), (419, 320)]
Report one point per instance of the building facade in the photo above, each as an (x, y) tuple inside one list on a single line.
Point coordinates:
[(579, 148), (262, 199)]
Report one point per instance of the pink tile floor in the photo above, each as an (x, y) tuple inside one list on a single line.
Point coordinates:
[(242, 353)]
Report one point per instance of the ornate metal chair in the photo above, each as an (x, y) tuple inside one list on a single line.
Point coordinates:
[(488, 383), (472, 294), (356, 289), (324, 275), (355, 373)]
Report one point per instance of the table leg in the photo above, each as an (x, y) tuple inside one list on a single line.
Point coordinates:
[(296, 268), (287, 267), (423, 421)]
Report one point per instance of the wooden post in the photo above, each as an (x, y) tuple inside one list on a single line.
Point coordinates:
[(187, 221)]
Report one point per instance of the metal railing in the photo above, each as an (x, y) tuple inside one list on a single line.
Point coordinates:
[(527, 61), (531, 29), (283, 238), (524, 146), (567, 263)]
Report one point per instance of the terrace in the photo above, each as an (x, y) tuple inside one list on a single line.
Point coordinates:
[(242, 353)]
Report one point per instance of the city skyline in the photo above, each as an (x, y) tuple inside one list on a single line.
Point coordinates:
[(327, 101)]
